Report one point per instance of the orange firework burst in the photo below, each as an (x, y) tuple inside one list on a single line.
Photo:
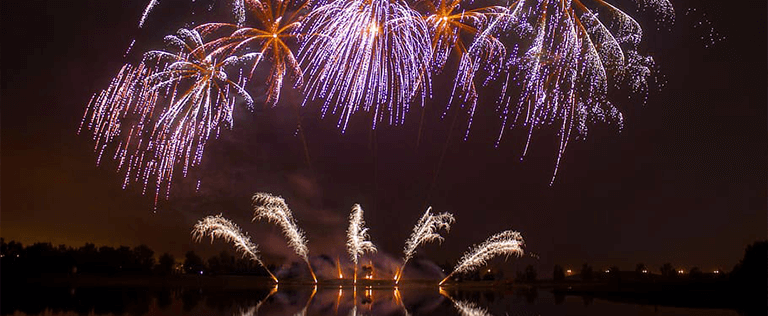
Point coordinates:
[(274, 25)]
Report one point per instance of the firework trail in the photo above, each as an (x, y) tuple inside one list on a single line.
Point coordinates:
[(426, 230), (571, 51), (370, 55), (220, 227), (504, 243), (238, 8), (275, 210), (357, 237), (201, 100)]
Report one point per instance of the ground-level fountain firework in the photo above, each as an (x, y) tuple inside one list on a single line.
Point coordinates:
[(274, 209)]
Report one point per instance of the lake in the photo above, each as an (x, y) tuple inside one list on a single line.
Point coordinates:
[(327, 300)]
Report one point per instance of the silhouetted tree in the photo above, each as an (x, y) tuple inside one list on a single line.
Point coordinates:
[(695, 273), (558, 274), (145, 259), (667, 270), (530, 274), (165, 264), (586, 272), (193, 264), (749, 277)]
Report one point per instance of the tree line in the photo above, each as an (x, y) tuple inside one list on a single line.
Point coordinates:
[(45, 258)]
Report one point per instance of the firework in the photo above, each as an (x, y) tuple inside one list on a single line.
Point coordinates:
[(504, 243), (201, 98), (273, 28), (275, 210), (220, 227), (370, 55), (571, 49), (357, 237), (449, 26), (426, 230), (238, 8)]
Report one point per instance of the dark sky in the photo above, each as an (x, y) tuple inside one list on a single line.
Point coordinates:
[(684, 182)]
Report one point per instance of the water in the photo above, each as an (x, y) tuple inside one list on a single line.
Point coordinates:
[(324, 301)]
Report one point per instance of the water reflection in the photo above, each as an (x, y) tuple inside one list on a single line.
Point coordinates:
[(322, 300)]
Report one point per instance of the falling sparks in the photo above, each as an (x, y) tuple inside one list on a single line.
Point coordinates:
[(556, 62), (357, 237), (505, 243), (201, 98), (569, 54), (426, 230), (275, 210), (370, 55), (220, 227), (708, 34)]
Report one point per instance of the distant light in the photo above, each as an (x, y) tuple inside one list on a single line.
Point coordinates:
[(645, 271), (607, 271), (489, 270), (201, 272), (716, 271), (568, 271), (680, 271), (17, 256)]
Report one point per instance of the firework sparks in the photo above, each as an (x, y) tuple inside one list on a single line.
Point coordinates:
[(563, 74), (357, 237), (504, 243), (220, 227), (238, 8), (275, 210), (372, 55), (274, 26), (426, 230), (201, 98)]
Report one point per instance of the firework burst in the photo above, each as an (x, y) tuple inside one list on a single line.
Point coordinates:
[(505, 243), (426, 230), (357, 237), (220, 227), (370, 55), (201, 97), (274, 27), (572, 50), (275, 210)]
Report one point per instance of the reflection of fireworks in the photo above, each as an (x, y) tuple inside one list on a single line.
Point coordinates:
[(564, 73), (426, 230), (273, 209), (357, 237), (200, 100), (366, 54), (504, 243), (220, 227)]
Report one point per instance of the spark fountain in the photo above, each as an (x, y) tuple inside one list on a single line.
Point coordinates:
[(505, 243), (426, 230), (275, 210), (220, 227), (357, 238)]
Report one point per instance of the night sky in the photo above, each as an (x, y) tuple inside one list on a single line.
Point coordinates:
[(684, 182)]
